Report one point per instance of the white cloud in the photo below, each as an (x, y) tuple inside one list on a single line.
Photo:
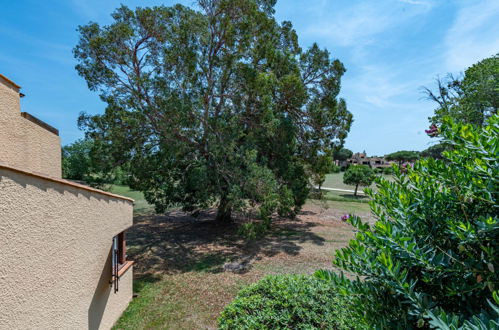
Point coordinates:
[(418, 2), (474, 35), (350, 28), (361, 23), (379, 86)]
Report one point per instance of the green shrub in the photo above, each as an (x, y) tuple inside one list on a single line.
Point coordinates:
[(388, 170), (432, 258), (289, 302), (254, 230), (335, 169)]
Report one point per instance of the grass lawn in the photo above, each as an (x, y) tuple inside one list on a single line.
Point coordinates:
[(140, 205), (335, 180), (347, 202), (179, 275)]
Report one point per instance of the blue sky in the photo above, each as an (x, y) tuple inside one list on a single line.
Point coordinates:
[(391, 48)]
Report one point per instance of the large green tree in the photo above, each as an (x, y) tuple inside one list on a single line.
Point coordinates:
[(470, 99), (214, 105)]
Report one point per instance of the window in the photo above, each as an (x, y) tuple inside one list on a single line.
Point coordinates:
[(119, 263)]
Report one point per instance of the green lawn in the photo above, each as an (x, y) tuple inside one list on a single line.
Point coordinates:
[(345, 205), (345, 198), (335, 180), (140, 206)]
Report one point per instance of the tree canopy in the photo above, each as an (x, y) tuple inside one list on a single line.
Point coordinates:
[(83, 162), (342, 154), (217, 105), (435, 151), (76, 160), (358, 175), (403, 156), (470, 99)]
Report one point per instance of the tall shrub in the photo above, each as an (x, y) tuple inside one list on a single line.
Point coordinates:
[(432, 258)]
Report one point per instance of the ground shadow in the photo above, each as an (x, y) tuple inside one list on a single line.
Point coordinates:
[(353, 197), (177, 242)]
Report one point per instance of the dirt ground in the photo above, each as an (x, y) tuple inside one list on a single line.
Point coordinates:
[(179, 273)]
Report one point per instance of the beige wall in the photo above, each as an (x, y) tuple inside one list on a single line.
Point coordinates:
[(23, 143), (55, 261)]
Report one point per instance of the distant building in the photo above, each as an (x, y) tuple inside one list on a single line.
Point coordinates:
[(63, 261), (361, 158)]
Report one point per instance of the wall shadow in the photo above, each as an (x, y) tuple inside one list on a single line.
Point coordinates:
[(101, 296)]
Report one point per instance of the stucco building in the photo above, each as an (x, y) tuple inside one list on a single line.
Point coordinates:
[(62, 245), (360, 158)]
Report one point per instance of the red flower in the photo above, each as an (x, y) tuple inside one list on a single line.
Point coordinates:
[(433, 131)]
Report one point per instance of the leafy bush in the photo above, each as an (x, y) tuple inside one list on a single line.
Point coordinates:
[(388, 170), (254, 230), (344, 168), (335, 168), (432, 258), (289, 302)]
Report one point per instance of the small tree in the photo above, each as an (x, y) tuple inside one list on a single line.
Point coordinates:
[(359, 175), (320, 167), (403, 156)]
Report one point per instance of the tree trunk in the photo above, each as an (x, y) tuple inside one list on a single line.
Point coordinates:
[(224, 212), (355, 193)]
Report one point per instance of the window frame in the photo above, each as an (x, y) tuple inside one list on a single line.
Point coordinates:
[(119, 262)]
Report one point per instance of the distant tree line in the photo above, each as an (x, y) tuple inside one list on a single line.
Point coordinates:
[(81, 163)]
